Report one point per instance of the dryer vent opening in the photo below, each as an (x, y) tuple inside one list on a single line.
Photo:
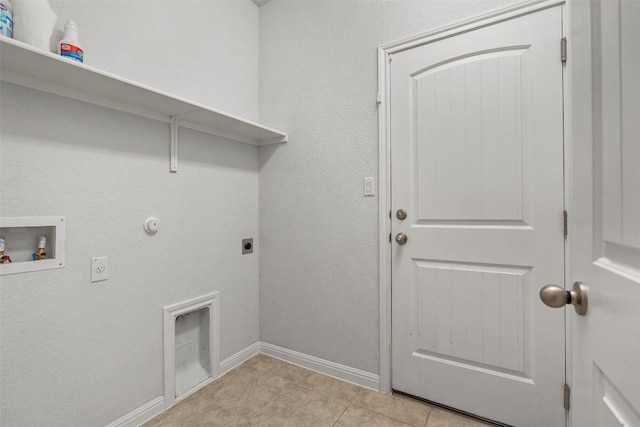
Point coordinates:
[(191, 346), (192, 350)]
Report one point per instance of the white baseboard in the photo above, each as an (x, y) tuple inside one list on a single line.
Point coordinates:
[(239, 358), (332, 369), (141, 415)]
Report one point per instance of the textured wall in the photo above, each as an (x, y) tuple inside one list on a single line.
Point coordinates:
[(318, 80), (75, 353)]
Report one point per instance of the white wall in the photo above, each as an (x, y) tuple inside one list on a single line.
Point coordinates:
[(75, 353), (318, 81)]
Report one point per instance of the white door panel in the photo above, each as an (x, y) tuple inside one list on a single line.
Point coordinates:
[(462, 178), (477, 163), (605, 214)]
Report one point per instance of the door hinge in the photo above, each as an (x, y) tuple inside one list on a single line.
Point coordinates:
[(563, 49), (567, 396), (565, 223)]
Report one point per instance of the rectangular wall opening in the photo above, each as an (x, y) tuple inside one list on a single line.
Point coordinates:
[(31, 243), (191, 346)]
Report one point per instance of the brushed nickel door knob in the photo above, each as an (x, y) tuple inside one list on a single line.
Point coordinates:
[(556, 297), (553, 296), (401, 238)]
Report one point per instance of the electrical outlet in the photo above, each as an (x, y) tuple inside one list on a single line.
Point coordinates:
[(247, 246), (99, 269)]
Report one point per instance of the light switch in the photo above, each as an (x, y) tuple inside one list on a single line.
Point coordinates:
[(369, 186)]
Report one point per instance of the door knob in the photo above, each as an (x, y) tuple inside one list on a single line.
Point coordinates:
[(401, 214), (556, 297), (401, 238)]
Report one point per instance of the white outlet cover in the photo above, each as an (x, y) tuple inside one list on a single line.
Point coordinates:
[(151, 225), (99, 269)]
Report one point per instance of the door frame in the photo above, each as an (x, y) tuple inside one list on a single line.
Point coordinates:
[(385, 53)]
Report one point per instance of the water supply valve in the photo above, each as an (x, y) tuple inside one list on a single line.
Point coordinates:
[(41, 253), (3, 258)]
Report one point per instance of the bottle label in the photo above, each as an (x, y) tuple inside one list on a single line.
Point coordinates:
[(72, 52), (6, 23)]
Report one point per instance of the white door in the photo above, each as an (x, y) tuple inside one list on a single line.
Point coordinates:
[(476, 134), (605, 213)]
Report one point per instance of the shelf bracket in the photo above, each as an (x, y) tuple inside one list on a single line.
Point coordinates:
[(174, 144)]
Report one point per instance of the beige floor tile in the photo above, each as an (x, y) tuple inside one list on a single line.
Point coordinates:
[(357, 416), (298, 406), (441, 418), (272, 365), (407, 410), (324, 384), (266, 392), (244, 391), (197, 411)]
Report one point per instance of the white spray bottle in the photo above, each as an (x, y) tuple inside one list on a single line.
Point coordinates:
[(69, 46)]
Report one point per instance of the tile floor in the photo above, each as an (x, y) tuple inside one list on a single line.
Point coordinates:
[(265, 391)]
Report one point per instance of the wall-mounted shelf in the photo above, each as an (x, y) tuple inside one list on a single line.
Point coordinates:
[(27, 66)]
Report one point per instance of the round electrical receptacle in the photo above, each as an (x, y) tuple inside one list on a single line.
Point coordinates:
[(151, 225)]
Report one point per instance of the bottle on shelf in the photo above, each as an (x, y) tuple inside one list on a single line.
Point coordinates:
[(6, 19), (33, 23), (69, 46)]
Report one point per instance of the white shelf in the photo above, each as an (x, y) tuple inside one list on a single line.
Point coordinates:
[(27, 66)]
